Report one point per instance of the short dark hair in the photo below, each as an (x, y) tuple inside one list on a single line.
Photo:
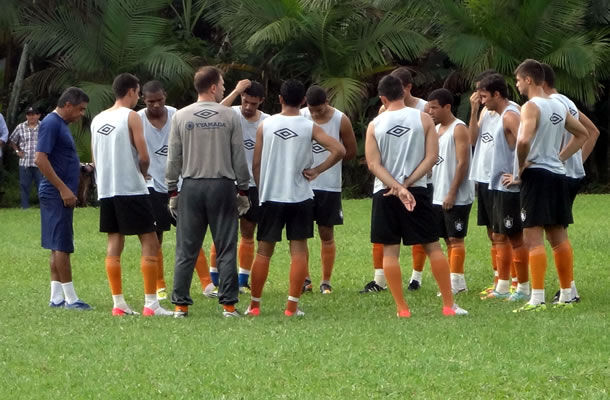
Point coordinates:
[(531, 68), (443, 96), (293, 92), (484, 74), (316, 96), (256, 89), (205, 77), (494, 83), (122, 84), (404, 75), (391, 87), (152, 87), (549, 75), (74, 96)]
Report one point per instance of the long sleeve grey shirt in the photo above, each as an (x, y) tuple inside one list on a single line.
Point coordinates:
[(205, 141)]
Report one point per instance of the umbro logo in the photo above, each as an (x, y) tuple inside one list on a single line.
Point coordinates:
[(285, 133), (317, 148), (106, 129), (487, 137), (398, 130), (248, 144), (162, 151), (205, 113), (573, 111), (439, 161), (556, 118)]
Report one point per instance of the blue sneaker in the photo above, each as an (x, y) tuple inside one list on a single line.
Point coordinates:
[(61, 304), (78, 305)]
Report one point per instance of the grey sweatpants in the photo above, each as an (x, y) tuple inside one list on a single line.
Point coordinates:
[(204, 202)]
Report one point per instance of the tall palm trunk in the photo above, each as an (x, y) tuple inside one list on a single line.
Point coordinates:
[(17, 86)]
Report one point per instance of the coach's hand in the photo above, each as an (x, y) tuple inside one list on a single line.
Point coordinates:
[(68, 197), (243, 204), (172, 206)]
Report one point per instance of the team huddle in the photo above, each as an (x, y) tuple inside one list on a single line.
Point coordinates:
[(236, 169)]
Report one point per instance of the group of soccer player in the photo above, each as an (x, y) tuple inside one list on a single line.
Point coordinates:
[(214, 164)]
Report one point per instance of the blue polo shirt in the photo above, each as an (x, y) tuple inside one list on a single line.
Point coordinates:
[(55, 139)]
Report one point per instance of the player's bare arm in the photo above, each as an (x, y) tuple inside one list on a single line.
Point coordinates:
[(431, 156), (462, 155), (136, 134), (239, 89), (473, 124), (589, 145), (258, 151), (348, 138), (45, 167), (579, 137), (336, 149), (174, 157), (511, 121), (529, 122)]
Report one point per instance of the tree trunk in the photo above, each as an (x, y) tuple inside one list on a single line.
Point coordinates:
[(17, 86)]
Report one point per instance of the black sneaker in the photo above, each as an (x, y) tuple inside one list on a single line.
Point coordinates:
[(372, 287), (307, 286), (326, 288), (414, 285)]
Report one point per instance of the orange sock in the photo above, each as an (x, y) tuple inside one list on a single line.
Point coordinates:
[(494, 261), (113, 270), (504, 260), (513, 270), (419, 257), (564, 262), (258, 277), (148, 265), (440, 269), (213, 256), (537, 260), (298, 272), (521, 261), (328, 253), (229, 307), (245, 253), (391, 269), (457, 257), (182, 308), (377, 256), (201, 266), (160, 278)]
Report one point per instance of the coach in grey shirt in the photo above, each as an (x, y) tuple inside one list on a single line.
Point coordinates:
[(206, 149)]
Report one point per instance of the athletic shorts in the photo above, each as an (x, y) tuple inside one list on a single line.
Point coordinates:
[(159, 202), (297, 217), (254, 212), (327, 209), (56, 225), (506, 218), (391, 222), (574, 186), (127, 215), (454, 222), (485, 205), (545, 199)]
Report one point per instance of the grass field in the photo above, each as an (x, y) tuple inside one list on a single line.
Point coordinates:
[(347, 346)]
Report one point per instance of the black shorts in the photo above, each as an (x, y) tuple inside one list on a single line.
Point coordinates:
[(574, 186), (254, 212), (454, 222), (485, 205), (127, 215), (545, 199), (506, 213), (327, 209), (391, 222), (297, 217), (159, 202)]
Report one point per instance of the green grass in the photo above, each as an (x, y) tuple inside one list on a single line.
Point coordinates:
[(347, 346)]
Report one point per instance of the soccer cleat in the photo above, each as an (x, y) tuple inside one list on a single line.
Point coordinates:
[(307, 286), (372, 287), (119, 312), (575, 299), (78, 305), (325, 288), (495, 295), (414, 285), (181, 312), (563, 306), (245, 289), (297, 313), (531, 307), (487, 290), (454, 310), (61, 304), (404, 313), (231, 314), (161, 294), (158, 312), (210, 291), (454, 291), (253, 312), (518, 296)]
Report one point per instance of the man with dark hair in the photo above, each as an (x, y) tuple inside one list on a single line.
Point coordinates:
[(453, 191), (282, 171), (575, 171), (544, 197), (3, 139), (122, 161), (327, 186), (23, 140), (206, 148), (58, 162), (401, 148)]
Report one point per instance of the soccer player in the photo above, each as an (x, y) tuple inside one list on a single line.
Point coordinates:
[(401, 148), (58, 162), (544, 197), (575, 171), (453, 191), (327, 186), (121, 160), (507, 233), (206, 148), (282, 170)]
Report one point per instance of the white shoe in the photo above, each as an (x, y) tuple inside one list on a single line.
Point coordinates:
[(210, 291), (157, 312), (459, 310)]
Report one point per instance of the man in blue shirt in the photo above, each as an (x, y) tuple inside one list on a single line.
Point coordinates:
[(3, 140), (58, 161)]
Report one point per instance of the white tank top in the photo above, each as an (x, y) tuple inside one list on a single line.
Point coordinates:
[(421, 105), (480, 170), (116, 159), (502, 158), (574, 165), (329, 180), (546, 145), (287, 151), (401, 140), (249, 131), (443, 171), (156, 142)]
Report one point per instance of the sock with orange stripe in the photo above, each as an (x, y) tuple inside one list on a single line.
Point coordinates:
[(494, 262), (521, 261), (113, 271), (258, 277), (148, 266), (213, 269), (440, 269), (379, 276), (160, 277), (391, 267), (418, 254), (245, 255), (538, 262), (328, 253), (201, 266), (564, 262), (298, 272), (457, 258), (504, 255)]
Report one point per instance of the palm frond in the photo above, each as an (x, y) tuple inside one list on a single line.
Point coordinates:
[(345, 93)]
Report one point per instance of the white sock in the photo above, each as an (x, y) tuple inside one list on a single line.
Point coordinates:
[(524, 288), (325, 283), (57, 293), (457, 281), (69, 292), (244, 271), (380, 278), (213, 270), (416, 276), (151, 301), (565, 295), (515, 281), (502, 286), (293, 299), (537, 297), (119, 302), (496, 274), (574, 290)]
